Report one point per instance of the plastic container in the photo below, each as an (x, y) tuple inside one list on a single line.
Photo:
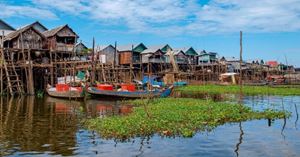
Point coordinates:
[(128, 87), (62, 87), (104, 87)]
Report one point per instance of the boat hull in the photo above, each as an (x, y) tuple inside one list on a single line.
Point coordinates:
[(66, 94), (127, 94)]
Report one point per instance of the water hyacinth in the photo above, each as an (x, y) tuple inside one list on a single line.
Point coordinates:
[(247, 90), (176, 117)]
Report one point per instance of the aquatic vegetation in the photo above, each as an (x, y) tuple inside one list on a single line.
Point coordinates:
[(40, 93), (176, 117), (247, 90)]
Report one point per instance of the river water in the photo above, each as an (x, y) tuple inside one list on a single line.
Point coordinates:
[(51, 127)]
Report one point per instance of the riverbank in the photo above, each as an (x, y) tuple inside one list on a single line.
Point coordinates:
[(234, 89), (176, 117)]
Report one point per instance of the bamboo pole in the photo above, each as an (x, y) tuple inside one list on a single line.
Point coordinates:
[(26, 66), (241, 60), (141, 66), (51, 70), (131, 65), (115, 54), (73, 65), (30, 75), (2, 60), (93, 60), (114, 65)]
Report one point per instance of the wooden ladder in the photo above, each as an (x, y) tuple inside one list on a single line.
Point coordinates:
[(14, 84)]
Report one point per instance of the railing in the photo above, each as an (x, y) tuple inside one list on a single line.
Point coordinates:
[(156, 60), (64, 47)]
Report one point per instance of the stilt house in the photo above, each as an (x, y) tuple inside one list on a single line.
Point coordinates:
[(130, 53), (61, 39), (108, 55), (191, 55), (26, 37)]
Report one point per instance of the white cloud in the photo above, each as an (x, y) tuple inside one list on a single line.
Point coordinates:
[(25, 11), (69, 6), (171, 17), (251, 16)]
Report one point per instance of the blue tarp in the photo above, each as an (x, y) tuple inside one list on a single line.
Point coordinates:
[(154, 80)]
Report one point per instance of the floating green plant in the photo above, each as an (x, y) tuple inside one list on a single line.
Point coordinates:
[(176, 117), (40, 93), (247, 90)]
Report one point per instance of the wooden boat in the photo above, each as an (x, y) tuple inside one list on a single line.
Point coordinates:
[(70, 94), (130, 94)]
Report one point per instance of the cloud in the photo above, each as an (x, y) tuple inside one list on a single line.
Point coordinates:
[(252, 16), (73, 7), (137, 15), (173, 17), (25, 11)]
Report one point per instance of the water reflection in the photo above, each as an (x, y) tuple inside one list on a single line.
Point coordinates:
[(237, 146), (104, 108), (51, 126), (297, 116), (37, 126)]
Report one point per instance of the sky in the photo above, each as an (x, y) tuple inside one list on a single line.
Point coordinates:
[(271, 28)]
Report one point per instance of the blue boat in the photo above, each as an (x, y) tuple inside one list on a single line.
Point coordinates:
[(157, 81), (153, 80), (129, 94)]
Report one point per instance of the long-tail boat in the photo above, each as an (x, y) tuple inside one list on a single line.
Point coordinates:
[(69, 93), (94, 91)]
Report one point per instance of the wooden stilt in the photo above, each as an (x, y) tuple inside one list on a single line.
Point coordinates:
[(30, 75)]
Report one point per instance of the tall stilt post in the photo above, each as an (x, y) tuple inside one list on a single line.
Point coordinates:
[(93, 61), (241, 70)]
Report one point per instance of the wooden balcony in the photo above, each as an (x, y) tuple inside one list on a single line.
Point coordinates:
[(64, 47)]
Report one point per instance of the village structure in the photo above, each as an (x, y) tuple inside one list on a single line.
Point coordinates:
[(34, 56)]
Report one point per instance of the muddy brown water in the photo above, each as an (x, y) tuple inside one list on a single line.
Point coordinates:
[(48, 126)]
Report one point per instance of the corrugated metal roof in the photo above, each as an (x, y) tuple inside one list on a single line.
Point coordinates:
[(8, 27), (127, 47), (176, 52), (152, 49)]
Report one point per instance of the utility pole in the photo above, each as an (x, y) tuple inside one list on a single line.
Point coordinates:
[(241, 61)]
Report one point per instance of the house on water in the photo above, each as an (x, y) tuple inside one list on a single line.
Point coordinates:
[(81, 51), (130, 53), (108, 55), (153, 54), (179, 57), (165, 48), (207, 57), (233, 64), (61, 39), (191, 55), (27, 37)]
